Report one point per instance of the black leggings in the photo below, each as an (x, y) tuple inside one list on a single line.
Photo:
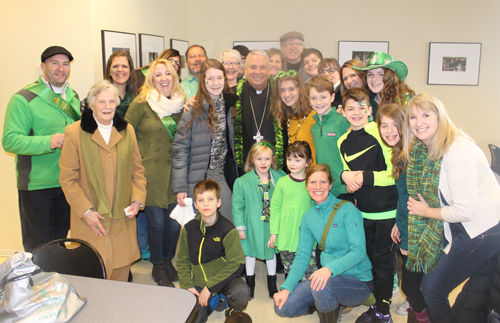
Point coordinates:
[(410, 285)]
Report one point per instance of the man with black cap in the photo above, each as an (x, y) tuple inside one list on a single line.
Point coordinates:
[(34, 131), (292, 45)]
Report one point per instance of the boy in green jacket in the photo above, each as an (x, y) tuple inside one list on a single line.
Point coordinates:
[(210, 258), (327, 130)]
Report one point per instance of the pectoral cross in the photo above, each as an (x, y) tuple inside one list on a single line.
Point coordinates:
[(258, 137)]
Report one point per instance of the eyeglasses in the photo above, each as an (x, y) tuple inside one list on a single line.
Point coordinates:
[(173, 61), (231, 64), (294, 45), (329, 71)]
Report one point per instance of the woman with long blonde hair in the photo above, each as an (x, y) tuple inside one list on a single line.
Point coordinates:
[(451, 187), (154, 114)]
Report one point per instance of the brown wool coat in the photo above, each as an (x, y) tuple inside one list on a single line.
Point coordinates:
[(117, 249)]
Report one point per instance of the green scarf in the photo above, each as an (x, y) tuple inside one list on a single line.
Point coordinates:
[(425, 236), (95, 178)]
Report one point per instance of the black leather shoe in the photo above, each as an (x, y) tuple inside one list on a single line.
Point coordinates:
[(271, 285), (251, 284), (170, 269), (160, 276)]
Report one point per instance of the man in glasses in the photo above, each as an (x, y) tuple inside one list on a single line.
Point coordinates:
[(292, 45)]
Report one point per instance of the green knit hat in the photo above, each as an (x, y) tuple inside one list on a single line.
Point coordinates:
[(380, 59)]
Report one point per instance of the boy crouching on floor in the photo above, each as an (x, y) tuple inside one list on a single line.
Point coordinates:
[(210, 250)]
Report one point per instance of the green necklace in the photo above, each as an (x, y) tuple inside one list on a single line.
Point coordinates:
[(238, 144)]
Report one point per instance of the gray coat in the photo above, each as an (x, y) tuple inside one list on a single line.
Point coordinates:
[(191, 151)]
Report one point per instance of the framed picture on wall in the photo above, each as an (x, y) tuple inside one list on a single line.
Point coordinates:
[(113, 41), (150, 46), (182, 46), (454, 63), (264, 44), (360, 49)]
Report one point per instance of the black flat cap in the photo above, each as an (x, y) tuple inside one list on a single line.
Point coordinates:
[(55, 50)]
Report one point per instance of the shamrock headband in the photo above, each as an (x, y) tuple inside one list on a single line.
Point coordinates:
[(283, 73), (264, 143)]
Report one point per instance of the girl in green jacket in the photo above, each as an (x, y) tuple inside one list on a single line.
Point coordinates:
[(252, 195)]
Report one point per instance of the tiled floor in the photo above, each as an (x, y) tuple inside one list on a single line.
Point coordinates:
[(261, 308)]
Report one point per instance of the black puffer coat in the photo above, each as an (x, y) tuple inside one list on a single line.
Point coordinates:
[(480, 294)]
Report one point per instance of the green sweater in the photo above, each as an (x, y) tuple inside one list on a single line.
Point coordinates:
[(29, 125), (326, 133), (289, 204)]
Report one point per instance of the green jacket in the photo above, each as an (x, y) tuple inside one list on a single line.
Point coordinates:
[(247, 210), (326, 133), (30, 122), (212, 254), (155, 145)]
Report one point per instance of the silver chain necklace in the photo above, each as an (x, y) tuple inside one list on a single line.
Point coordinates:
[(258, 137)]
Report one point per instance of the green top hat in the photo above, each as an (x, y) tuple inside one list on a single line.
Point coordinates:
[(380, 59)]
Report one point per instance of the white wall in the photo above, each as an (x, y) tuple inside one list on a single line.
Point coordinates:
[(409, 26), (28, 27)]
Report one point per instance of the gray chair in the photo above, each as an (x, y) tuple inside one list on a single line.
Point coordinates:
[(83, 260)]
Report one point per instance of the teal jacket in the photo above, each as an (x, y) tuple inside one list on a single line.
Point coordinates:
[(28, 127), (326, 133), (345, 248)]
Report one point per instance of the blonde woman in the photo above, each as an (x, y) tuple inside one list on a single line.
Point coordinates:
[(154, 114), (451, 186)]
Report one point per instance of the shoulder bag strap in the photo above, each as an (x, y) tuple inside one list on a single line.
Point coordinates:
[(329, 223)]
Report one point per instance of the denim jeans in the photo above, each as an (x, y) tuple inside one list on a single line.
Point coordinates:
[(142, 231), (465, 257), (45, 216), (163, 233), (344, 290)]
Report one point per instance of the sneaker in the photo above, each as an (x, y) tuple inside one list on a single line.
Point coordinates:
[(372, 316), (347, 309), (403, 308), (145, 255)]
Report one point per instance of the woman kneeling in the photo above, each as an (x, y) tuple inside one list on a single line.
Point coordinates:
[(345, 278)]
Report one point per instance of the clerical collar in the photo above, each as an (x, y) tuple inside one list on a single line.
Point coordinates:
[(258, 91)]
